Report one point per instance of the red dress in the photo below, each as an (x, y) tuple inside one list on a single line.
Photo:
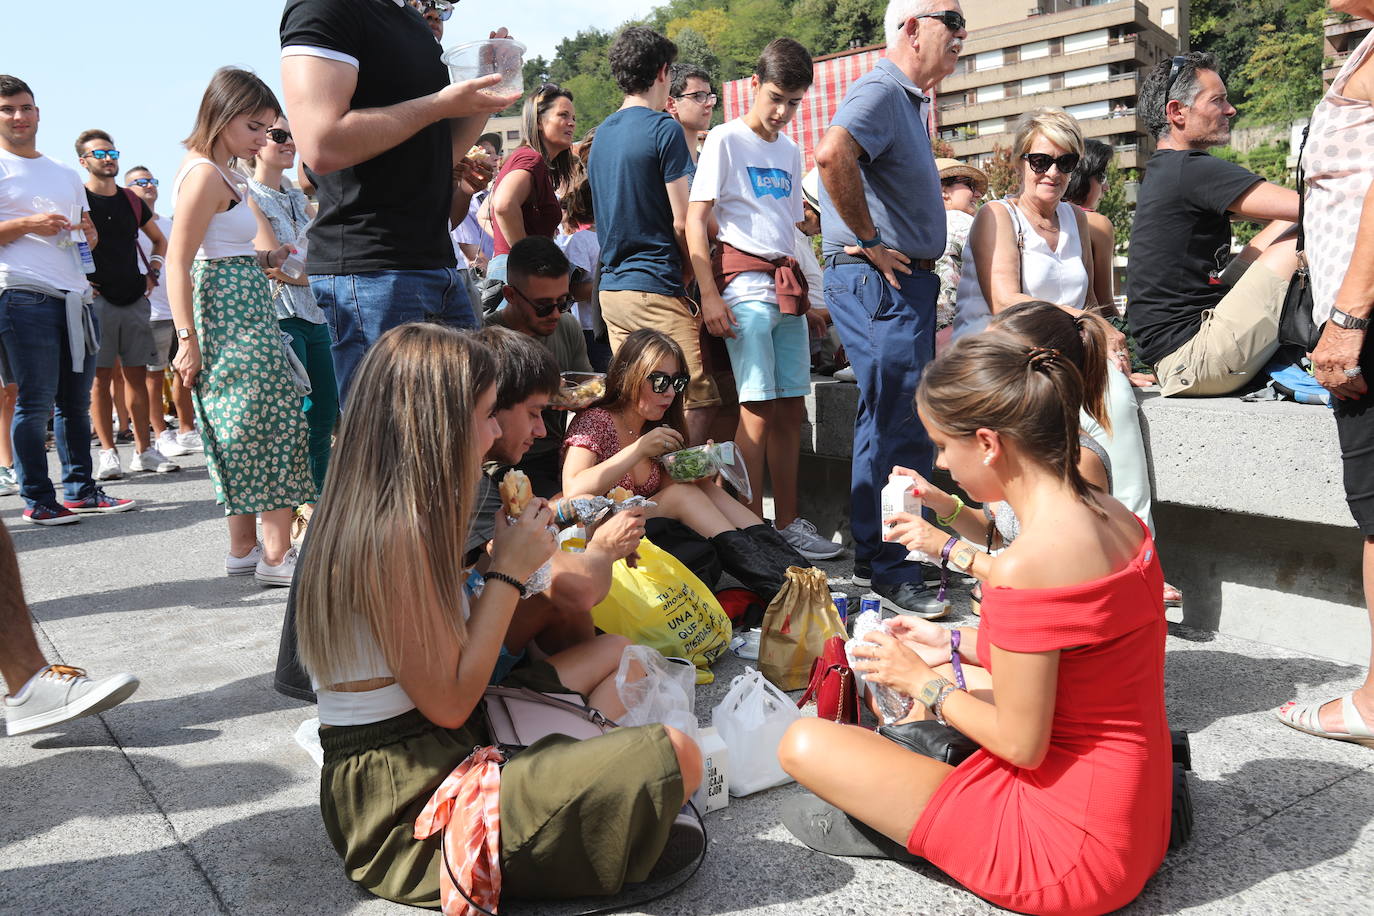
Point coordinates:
[(1085, 830)]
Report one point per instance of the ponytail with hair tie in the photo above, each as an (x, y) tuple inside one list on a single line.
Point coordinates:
[(1038, 357)]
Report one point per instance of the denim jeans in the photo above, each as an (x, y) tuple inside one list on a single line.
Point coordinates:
[(33, 331), (889, 336), (362, 307), (310, 343)]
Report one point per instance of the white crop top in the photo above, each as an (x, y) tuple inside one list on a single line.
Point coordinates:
[(230, 234)]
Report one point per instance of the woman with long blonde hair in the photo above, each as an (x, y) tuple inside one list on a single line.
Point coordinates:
[(229, 349), (400, 642)]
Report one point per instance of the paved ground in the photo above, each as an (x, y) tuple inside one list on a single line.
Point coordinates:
[(193, 798)]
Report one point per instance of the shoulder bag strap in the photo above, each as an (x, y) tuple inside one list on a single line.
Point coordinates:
[(1302, 194), (1020, 242)]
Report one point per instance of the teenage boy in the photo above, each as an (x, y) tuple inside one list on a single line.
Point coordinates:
[(47, 337), (754, 293), (539, 306), (690, 103), (122, 309), (186, 438), (639, 170)]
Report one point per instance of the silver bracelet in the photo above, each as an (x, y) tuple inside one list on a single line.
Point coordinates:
[(939, 705)]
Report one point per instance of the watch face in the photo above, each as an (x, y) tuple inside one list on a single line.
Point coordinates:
[(962, 558)]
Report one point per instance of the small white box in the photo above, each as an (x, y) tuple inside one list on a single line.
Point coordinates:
[(899, 495), (714, 791)]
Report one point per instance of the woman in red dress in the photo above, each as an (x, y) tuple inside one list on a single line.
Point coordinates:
[(1066, 809)]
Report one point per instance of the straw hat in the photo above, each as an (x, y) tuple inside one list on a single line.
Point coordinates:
[(953, 168)]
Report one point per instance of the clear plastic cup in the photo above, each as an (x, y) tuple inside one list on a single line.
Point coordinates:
[(475, 59)]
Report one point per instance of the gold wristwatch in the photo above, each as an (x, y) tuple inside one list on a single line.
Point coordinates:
[(931, 691), (962, 557)]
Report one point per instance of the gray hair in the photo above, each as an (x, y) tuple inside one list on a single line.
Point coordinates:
[(899, 11), (1153, 100)]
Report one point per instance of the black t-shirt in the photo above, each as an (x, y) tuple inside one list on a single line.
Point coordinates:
[(390, 212), (118, 270), (1180, 239)]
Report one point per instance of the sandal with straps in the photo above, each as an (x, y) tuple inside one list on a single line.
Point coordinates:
[(1306, 717)]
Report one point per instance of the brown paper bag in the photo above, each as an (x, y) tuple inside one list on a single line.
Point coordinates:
[(795, 627)]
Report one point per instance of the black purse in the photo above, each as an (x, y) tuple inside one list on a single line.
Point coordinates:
[(1296, 327), (931, 739)]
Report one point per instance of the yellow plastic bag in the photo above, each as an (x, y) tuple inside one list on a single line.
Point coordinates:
[(661, 603), (795, 627)]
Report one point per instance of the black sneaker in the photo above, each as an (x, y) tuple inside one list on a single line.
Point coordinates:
[(863, 574), (827, 829), (913, 599), (686, 841)]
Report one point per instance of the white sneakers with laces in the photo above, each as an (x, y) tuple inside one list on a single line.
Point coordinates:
[(59, 693), (150, 459), (280, 574), (245, 565), (107, 465), (168, 444)]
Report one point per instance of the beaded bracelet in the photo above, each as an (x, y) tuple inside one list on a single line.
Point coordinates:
[(947, 520), (509, 580)]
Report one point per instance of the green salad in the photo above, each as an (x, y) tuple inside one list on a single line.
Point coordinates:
[(689, 463)]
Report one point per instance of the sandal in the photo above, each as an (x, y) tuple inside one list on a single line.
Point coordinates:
[(1172, 596), (827, 829), (1305, 717)]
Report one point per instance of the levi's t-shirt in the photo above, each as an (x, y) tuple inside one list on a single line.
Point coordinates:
[(390, 212), (1180, 239), (756, 186)]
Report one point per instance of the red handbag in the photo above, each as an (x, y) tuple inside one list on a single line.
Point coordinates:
[(832, 685)]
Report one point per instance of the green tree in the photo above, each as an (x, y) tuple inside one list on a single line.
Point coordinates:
[(1282, 32), (1116, 207), (1284, 73), (693, 48), (1003, 175)]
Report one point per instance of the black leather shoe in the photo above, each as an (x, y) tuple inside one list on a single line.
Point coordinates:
[(912, 598)]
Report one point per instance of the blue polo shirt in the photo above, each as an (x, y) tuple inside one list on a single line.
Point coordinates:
[(885, 114)]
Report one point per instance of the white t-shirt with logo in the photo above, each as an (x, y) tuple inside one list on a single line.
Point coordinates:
[(162, 309), (41, 185), (756, 186)]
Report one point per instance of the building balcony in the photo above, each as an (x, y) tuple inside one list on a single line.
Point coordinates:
[(1133, 52), (1120, 86)]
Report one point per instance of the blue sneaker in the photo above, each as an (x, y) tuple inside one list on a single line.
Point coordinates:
[(99, 501), (50, 515)]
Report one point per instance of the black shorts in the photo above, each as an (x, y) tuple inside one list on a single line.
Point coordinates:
[(1355, 426)]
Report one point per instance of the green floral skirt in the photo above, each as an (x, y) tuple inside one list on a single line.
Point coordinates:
[(249, 411)]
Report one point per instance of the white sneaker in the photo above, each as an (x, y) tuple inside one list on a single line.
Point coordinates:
[(107, 467), (190, 440), (153, 460), (9, 481), (59, 693), (281, 573), (845, 375), (802, 535), (244, 565), (168, 445)]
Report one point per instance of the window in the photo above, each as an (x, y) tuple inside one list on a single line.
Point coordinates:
[(1086, 76), (990, 93), (1166, 16), (1085, 41), (1035, 50), (512, 136), (992, 126), (988, 60), (1090, 110), (1034, 84)]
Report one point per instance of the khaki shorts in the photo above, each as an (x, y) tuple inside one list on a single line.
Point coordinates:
[(163, 335), (1235, 341), (625, 311)]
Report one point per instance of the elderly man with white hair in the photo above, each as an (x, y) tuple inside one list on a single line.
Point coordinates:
[(883, 223)]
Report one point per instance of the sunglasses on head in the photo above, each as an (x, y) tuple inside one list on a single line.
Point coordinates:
[(145, 182), (953, 21), (104, 153), (1040, 162), (442, 7), (1175, 66), (278, 136), (545, 309), (659, 381)]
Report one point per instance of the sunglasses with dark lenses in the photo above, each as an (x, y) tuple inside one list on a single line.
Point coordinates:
[(1174, 67), (104, 153), (278, 136), (953, 21), (659, 381), (442, 7), (545, 309), (145, 182), (1040, 162)]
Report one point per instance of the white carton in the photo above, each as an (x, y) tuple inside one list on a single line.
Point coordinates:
[(714, 791), (899, 495)]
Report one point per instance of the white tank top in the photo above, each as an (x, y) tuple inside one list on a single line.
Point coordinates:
[(1056, 275), (231, 233)]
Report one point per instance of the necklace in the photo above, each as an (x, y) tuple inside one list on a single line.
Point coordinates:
[(1039, 222)]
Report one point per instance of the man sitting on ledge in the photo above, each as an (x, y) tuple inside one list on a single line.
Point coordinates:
[(1208, 325)]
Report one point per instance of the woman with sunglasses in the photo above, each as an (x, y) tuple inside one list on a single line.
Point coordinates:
[(617, 443), (283, 215), (229, 345), (525, 198)]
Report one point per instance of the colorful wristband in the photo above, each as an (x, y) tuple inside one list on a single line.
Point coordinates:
[(947, 520), (955, 661)]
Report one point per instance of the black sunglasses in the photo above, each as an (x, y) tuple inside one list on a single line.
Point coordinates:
[(442, 7), (1040, 162), (278, 136), (545, 309), (1178, 63), (145, 182), (659, 381), (953, 21)]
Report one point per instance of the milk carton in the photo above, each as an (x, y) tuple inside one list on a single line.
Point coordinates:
[(900, 496), (714, 791)]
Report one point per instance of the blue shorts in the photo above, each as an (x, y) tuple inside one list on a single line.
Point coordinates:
[(770, 353)]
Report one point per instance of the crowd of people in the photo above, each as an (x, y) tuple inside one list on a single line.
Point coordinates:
[(368, 311)]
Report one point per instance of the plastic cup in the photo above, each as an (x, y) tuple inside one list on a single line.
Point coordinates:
[(476, 59)]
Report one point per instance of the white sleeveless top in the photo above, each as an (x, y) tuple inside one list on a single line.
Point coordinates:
[(1338, 169), (231, 233), (1056, 275)]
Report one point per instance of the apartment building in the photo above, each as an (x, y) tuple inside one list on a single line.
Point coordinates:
[(1343, 35), (1087, 58)]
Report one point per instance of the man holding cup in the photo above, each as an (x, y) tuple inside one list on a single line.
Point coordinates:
[(380, 130)]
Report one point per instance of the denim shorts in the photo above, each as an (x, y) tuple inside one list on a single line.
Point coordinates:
[(770, 352)]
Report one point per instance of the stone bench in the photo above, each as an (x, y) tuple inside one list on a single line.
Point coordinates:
[(1249, 511)]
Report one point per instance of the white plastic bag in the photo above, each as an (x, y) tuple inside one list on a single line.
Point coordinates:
[(657, 690), (751, 719)]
